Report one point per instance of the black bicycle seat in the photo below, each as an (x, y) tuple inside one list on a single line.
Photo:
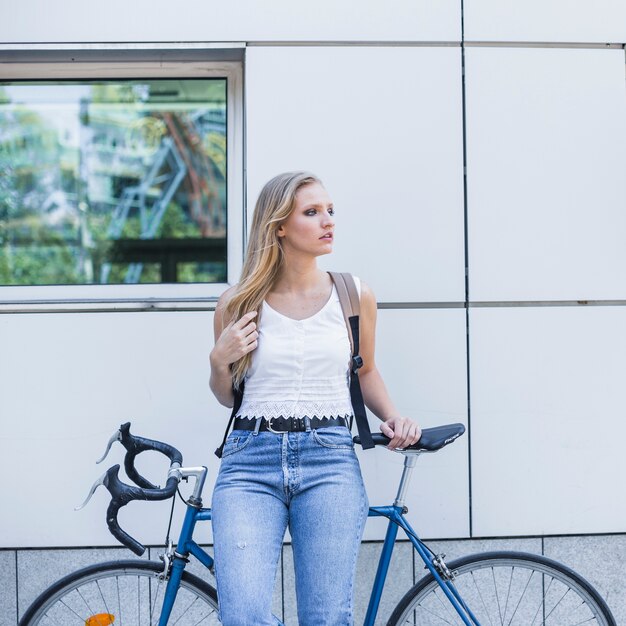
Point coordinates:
[(432, 439)]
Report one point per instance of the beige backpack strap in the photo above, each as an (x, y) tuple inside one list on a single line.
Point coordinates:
[(351, 308), (348, 298)]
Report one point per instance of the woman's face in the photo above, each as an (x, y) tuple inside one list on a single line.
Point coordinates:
[(310, 227)]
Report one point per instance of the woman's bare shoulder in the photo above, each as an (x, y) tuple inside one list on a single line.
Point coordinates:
[(367, 295), (223, 300)]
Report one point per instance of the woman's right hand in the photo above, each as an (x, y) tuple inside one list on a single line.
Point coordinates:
[(235, 341)]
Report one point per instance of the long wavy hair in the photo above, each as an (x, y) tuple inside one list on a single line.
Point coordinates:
[(264, 255)]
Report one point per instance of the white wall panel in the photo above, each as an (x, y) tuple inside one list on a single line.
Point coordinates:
[(422, 357), (548, 399), (599, 21), (245, 20), (383, 128), (545, 163), (66, 383)]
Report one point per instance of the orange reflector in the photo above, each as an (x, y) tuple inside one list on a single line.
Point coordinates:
[(102, 619)]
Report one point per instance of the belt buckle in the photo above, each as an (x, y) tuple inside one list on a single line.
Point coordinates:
[(268, 423)]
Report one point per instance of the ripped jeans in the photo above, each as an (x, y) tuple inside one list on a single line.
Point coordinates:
[(310, 481)]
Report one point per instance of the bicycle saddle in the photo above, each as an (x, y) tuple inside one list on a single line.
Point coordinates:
[(432, 439)]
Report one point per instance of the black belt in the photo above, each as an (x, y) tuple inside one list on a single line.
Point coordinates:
[(288, 424)]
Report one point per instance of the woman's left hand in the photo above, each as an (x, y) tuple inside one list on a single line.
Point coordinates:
[(402, 431)]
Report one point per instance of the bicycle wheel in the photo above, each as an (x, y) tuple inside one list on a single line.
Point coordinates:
[(123, 593), (506, 588)]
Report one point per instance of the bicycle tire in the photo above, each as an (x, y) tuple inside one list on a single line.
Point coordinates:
[(506, 588), (129, 590)]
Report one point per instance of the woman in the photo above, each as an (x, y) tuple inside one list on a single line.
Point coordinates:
[(282, 332)]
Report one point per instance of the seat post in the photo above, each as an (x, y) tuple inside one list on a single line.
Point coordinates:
[(409, 463)]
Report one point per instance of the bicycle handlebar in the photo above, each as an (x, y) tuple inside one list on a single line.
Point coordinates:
[(134, 445), (122, 493)]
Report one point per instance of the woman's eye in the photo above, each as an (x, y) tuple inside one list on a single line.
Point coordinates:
[(311, 212)]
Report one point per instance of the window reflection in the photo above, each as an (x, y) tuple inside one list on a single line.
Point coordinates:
[(113, 182)]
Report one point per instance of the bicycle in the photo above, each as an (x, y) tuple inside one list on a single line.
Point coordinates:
[(487, 589)]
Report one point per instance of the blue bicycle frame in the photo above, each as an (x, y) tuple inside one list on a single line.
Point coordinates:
[(186, 546), (395, 514)]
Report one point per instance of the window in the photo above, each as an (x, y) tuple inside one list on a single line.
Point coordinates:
[(119, 180)]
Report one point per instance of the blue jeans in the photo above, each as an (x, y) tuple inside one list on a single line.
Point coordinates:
[(310, 481)]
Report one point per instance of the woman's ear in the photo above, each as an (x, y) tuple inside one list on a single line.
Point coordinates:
[(281, 231)]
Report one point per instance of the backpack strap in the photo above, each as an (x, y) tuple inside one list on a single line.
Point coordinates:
[(349, 300), (351, 309), (238, 394)]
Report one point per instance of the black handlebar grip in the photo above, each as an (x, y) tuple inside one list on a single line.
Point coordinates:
[(121, 535), (134, 445), (122, 494), (133, 474)]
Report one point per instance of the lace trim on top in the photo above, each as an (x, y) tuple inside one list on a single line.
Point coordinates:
[(271, 410)]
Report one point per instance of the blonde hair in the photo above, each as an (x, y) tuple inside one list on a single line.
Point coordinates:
[(264, 255)]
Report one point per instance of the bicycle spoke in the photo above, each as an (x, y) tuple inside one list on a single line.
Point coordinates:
[(591, 619), (443, 619), (185, 611), (508, 592), (480, 595), (89, 609), (586, 621), (542, 603), (156, 595), (102, 596), (556, 605), (69, 608), (532, 573), (138, 602), (495, 588), (119, 604), (446, 605), (203, 618)]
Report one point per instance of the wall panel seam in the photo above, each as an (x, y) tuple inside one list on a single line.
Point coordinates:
[(17, 593), (544, 44), (466, 278), (353, 44), (437, 44)]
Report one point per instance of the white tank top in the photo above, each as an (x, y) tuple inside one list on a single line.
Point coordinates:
[(300, 367)]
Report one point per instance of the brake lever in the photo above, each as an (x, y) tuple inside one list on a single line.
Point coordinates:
[(117, 436), (98, 483)]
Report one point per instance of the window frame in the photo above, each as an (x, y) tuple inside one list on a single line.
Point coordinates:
[(166, 296)]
